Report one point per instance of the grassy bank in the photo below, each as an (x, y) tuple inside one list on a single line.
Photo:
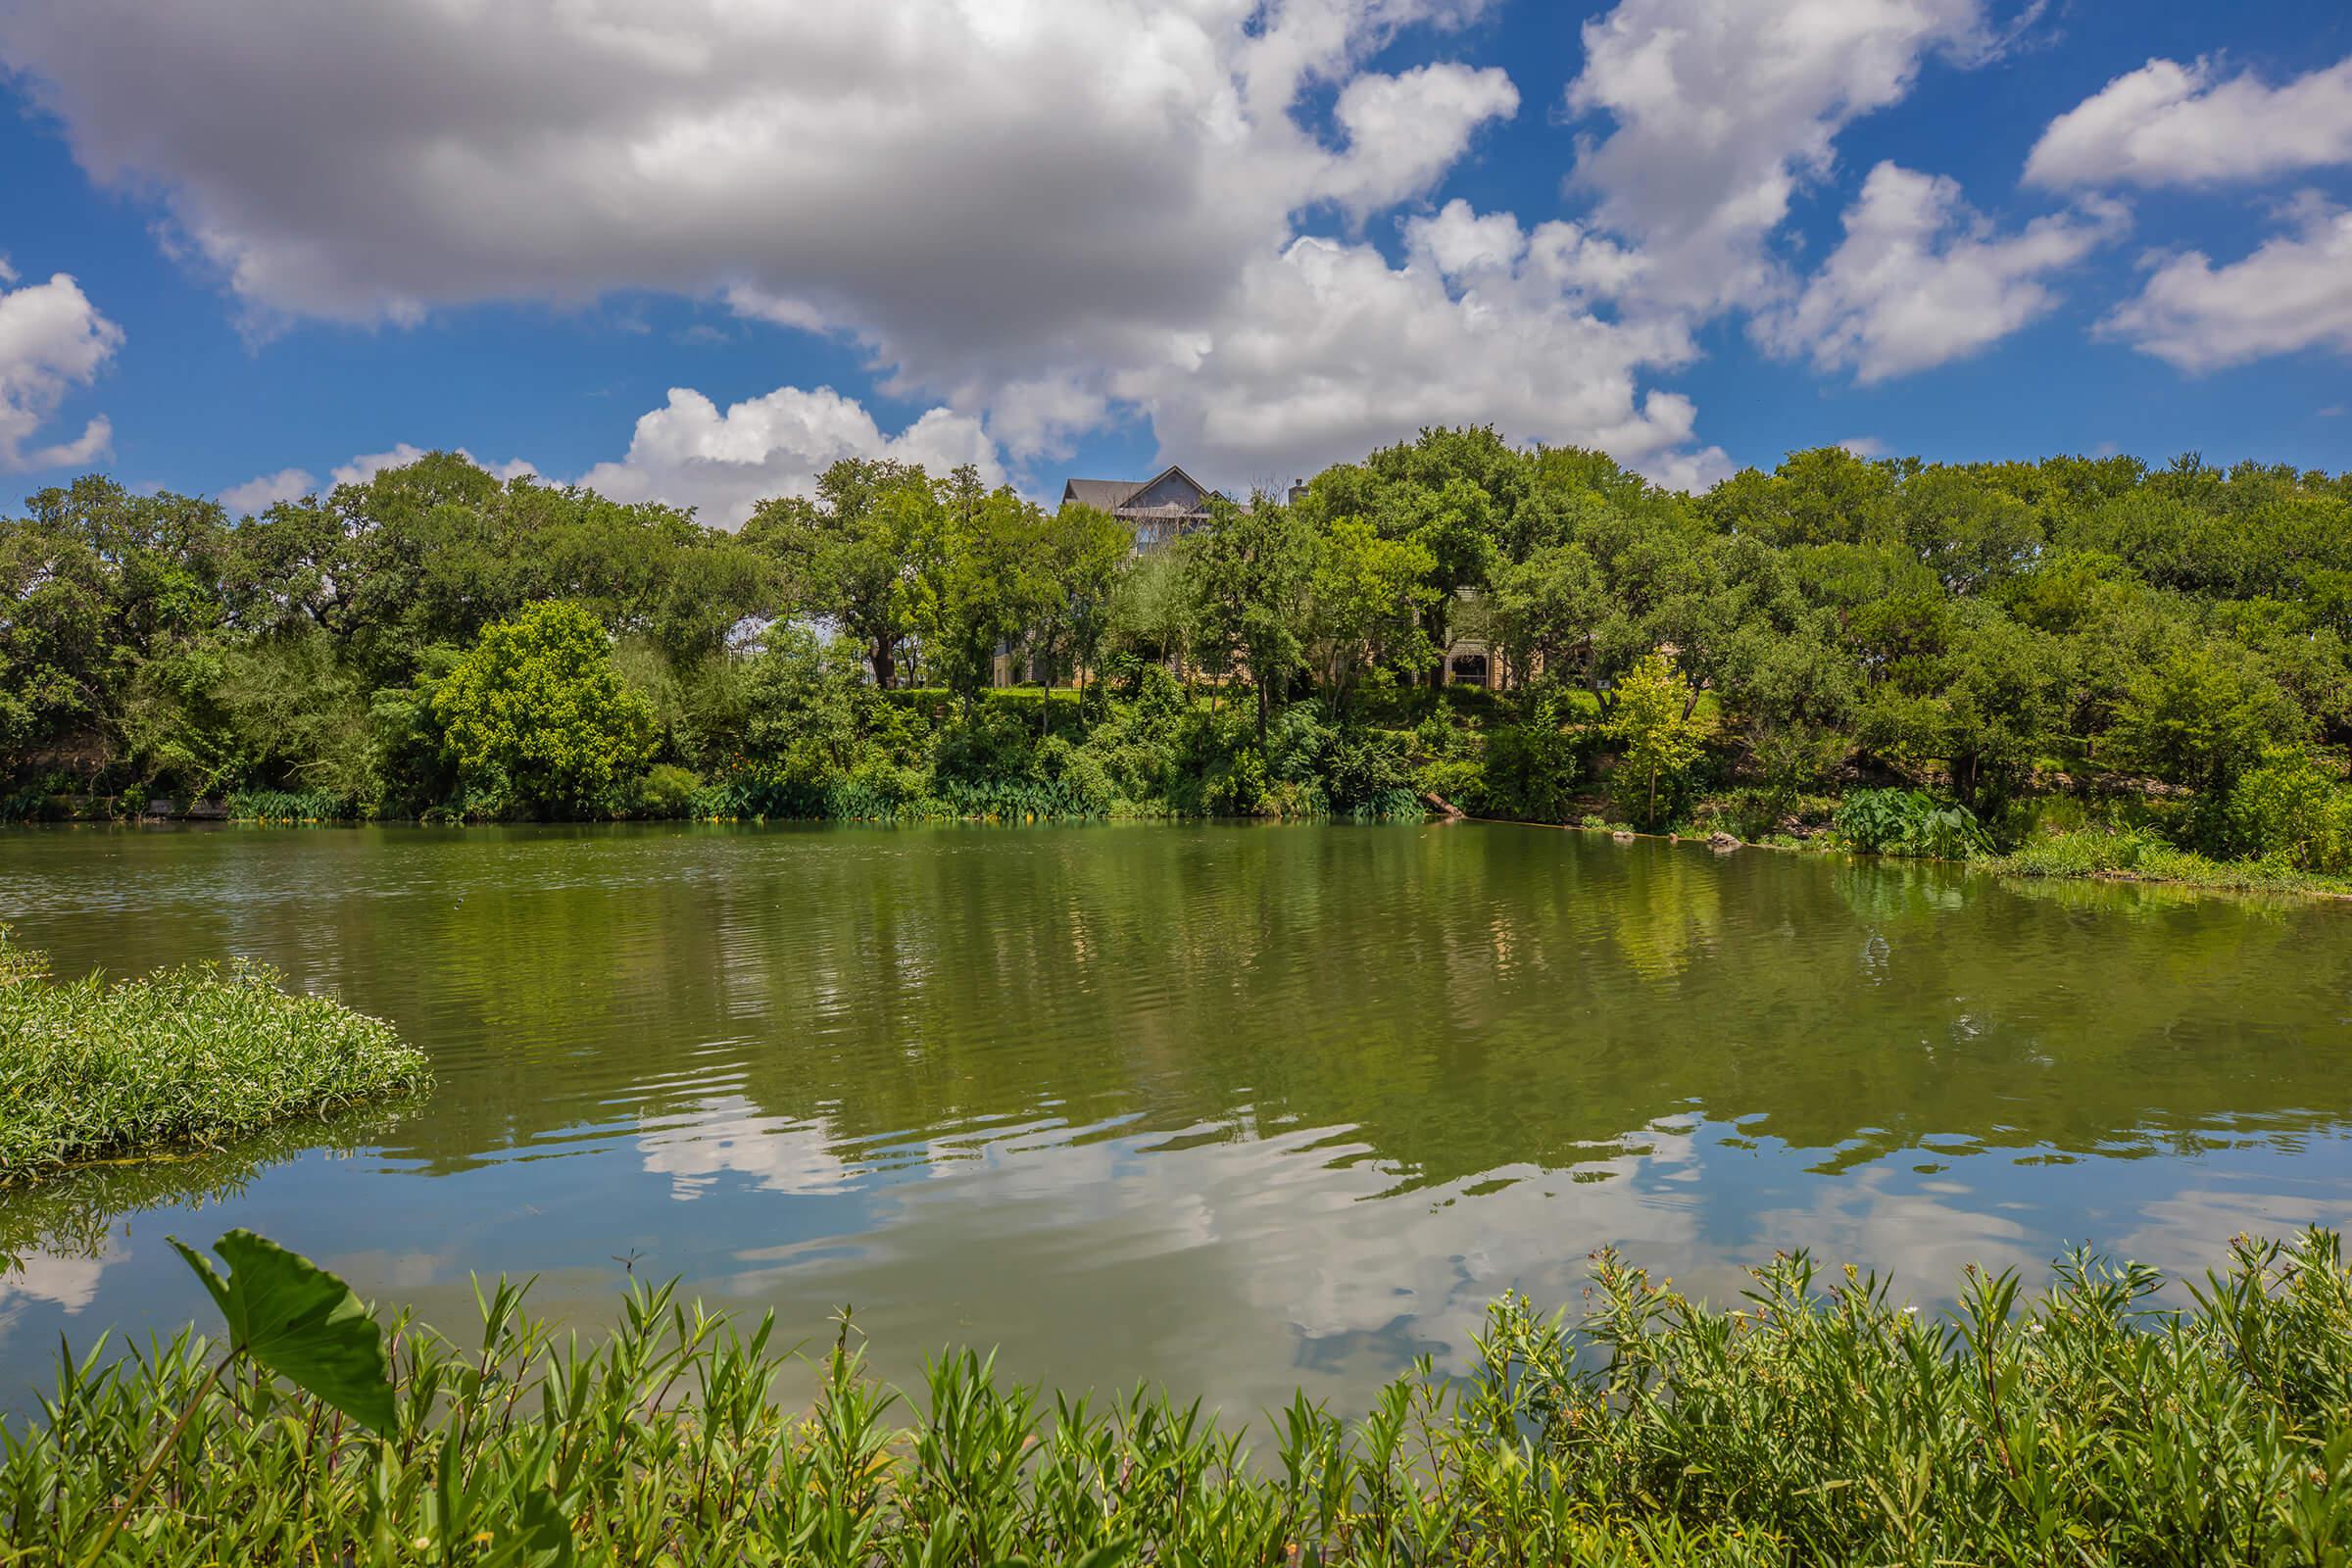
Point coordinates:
[(91, 1070), (1820, 1422), (2122, 854)]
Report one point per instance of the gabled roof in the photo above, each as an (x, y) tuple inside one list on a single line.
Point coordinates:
[(1103, 495), (1111, 495)]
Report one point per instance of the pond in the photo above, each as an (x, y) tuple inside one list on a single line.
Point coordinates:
[(1234, 1107)]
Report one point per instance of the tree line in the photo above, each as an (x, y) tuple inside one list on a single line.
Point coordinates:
[(2164, 646)]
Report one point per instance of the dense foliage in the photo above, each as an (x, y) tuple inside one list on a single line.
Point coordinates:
[(1821, 1421), (91, 1070), (2164, 649), (537, 717)]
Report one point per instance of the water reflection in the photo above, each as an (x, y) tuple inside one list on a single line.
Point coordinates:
[(1230, 1106)]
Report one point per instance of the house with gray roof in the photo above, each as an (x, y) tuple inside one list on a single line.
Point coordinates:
[(1157, 509)]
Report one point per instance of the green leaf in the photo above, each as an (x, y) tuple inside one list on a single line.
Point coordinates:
[(302, 1323), (546, 1531)]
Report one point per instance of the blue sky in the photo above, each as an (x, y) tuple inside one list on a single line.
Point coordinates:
[(1088, 235)]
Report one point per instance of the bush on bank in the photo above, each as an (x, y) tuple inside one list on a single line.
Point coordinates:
[(1820, 1422), (92, 1070)]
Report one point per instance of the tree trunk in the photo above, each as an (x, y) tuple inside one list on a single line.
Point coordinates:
[(1652, 820), (886, 667)]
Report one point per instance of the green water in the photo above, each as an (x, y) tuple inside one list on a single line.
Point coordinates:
[(1233, 1108)]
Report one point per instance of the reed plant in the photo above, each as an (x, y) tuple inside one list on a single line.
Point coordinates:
[(188, 1057), (1821, 1421)]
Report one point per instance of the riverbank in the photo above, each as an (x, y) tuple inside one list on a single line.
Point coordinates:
[(1823, 1421), (2122, 856), (188, 1057), (2092, 855)]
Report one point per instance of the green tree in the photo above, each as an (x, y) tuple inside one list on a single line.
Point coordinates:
[(1251, 567), (979, 575), (1553, 614), (1986, 704), (1966, 530), (846, 556), (1659, 731), (2202, 716), (539, 719), (1080, 553), (1367, 597), (1155, 611)]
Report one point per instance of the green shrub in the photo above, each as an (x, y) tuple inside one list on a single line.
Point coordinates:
[(1367, 776), (1530, 766), (666, 791), (1823, 1421), (1459, 781), (28, 802), (1020, 800), (539, 720), (2290, 809), (993, 745), (1908, 822), (1234, 784), (194, 1056), (289, 806), (1318, 769)]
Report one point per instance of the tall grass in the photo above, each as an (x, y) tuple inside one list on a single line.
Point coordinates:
[(2137, 856), (1819, 1422), (186, 1057)]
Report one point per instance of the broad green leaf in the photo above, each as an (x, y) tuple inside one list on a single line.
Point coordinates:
[(302, 1323)]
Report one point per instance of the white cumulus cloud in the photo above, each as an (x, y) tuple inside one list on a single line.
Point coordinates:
[(1328, 349), (690, 453), (1037, 218), (266, 490), (1721, 109), (1920, 278), (1405, 131), (52, 340), (2294, 292), (974, 185), (2167, 123)]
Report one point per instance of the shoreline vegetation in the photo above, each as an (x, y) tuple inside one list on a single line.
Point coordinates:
[(2088, 854), (2072, 666), (185, 1059), (1821, 1420)]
